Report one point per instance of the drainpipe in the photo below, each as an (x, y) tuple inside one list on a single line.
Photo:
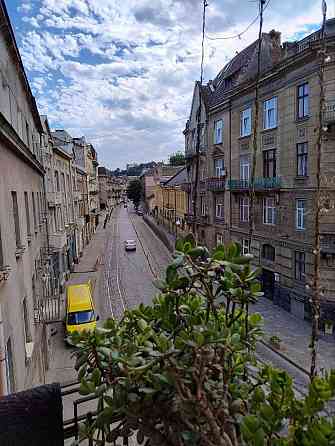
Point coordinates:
[(3, 386), (230, 194)]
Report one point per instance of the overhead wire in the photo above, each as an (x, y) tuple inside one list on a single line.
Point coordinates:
[(239, 35)]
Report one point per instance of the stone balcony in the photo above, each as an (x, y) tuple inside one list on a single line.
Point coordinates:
[(261, 184), (58, 240), (54, 198), (329, 112), (216, 184)]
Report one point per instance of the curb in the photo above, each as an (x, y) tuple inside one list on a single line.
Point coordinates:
[(285, 357), (160, 234)]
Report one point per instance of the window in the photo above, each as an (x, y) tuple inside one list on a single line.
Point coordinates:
[(269, 211), (219, 239), (219, 208), (9, 367), (57, 181), (270, 113), (269, 163), (268, 252), (16, 219), (27, 134), (302, 101), (218, 131), (299, 265), (219, 167), (302, 159), (63, 183), (300, 214), (34, 211), (26, 202), (245, 246), (203, 206), (26, 324), (245, 124), (244, 209), (244, 167)]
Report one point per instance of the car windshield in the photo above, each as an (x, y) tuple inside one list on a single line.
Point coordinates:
[(80, 317), (130, 242)]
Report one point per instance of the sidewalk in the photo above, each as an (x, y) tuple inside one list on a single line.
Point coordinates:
[(61, 363), (294, 333)]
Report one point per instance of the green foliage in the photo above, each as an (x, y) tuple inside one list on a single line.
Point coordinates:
[(183, 371), (134, 192), (177, 159)]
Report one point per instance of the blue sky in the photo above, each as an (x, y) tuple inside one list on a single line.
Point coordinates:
[(121, 72)]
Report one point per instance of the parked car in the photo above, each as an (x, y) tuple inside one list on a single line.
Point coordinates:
[(80, 311), (130, 245), (139, 212)]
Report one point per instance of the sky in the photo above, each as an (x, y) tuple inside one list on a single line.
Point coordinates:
[(122, 72)]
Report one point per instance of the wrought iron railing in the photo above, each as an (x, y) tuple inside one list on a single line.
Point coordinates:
[(260, 183), (216, 184), (329, 111)]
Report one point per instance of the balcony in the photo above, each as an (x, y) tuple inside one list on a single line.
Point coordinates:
[(80, 222), (54, 198), (203, 220), (261, 184), (329, 112), (327, 243), (58, 240), (216, 184), (4, 273), (202, 186)]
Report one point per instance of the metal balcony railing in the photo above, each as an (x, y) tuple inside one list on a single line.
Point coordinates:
[(260, 184), (327, 244), (329, 112), (216, 184)]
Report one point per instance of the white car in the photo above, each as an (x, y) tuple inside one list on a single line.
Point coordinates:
[(130, 245)]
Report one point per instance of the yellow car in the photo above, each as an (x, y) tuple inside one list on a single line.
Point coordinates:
[(80, 312)]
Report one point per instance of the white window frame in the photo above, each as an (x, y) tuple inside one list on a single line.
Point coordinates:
[(244, 209), (245, 167), (219, 239), (219, 167), (245, 246), (300, 206), (219, 208), (218, 131), (268, 106), (245, 122), (269, 211), (203, 206)]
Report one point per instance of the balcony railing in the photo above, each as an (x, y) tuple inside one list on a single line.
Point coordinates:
[(54, 198), (329, 112), (58, 240), (327, 244), (260, 184), (216, 184)]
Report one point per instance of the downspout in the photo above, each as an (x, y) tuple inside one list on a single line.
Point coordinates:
[(230, 194), (3, 386)]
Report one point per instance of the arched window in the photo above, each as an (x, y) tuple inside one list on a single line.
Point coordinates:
[(268, 252)]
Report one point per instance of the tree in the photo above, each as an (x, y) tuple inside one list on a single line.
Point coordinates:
[(134, 192), (177, 159), (183, 371)]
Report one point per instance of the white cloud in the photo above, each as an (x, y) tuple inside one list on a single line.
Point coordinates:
[(123, 72)]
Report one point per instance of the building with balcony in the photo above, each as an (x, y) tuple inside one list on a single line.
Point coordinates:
[(25, 273), (284, 184)]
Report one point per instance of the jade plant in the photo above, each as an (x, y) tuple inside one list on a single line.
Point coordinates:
[(183, 371)]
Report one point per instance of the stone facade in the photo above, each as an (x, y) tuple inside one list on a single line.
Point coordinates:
[(285, 171), (24, 266)]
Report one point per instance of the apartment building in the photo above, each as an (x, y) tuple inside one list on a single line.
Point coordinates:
[(170, 205), (285, 170), (24, 264)]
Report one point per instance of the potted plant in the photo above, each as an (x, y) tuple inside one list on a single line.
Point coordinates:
[(275, 341), (328, 326)]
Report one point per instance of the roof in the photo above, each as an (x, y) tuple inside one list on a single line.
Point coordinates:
[(7, 27), (80, 296), (179, 178)]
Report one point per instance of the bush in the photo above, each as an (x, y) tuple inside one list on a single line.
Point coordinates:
[(183, 370)]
